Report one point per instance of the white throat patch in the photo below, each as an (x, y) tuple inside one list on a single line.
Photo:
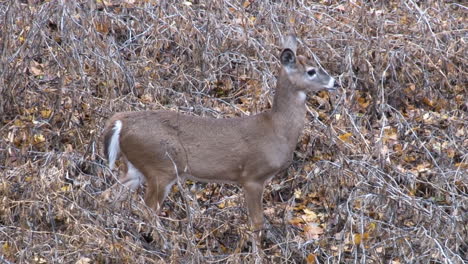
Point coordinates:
[(330, 83), (301, 96)]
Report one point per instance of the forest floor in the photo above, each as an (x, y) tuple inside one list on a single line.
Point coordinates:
[(380, 173)]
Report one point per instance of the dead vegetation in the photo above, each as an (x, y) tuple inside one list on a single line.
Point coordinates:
[(379, 175)]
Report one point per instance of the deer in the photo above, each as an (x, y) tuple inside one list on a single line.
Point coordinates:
[(159, 147)]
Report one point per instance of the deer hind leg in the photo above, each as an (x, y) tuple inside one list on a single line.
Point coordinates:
[(157, 189), (131, 180)]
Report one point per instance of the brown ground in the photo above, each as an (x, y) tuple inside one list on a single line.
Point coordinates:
[(379, 174)]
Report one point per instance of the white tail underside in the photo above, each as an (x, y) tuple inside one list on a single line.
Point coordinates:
[(114, 147)]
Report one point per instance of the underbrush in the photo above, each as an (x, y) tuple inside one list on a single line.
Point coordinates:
[(379, 174)]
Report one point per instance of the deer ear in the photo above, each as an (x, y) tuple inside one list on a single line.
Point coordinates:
[(288, 58), (290, 42)]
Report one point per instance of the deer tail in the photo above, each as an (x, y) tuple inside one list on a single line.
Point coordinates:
[(111, 142)]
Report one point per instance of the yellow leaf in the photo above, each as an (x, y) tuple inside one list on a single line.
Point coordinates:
[(450, 153), (46, 113), (146, 98), (308, 167), (397, 147), (6, 247), (309, 216), (4, 187), (222, 205), (252, 20), (102, 28), (226, 204), (423, 167), (38, 138), (18, 123), (311, 259), (363, 102), (357, 239), (404, 20), (296, 221), (390, 133), (428, 102), (224, 249), (365, 236), (297, 193), (246, 4), (65, 188), (462, 165), (346, 137), (409, 158), (39, 260), (371, 226), (324, 95), (115, 247)]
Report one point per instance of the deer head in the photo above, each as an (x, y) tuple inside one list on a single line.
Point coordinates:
[(300, 72)]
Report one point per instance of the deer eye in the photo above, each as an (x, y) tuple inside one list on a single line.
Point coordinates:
[(311, 72)]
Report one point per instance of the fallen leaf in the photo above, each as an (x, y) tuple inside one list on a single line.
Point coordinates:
[(36, 68), (83, 260), (390, 133), (428, 102), (346, 137), (311, 259), (312, 231), (296, 221), (65, 188), (371, 227), (46, 113), (297, 193), (461, 165), (423, 167), (38, 138), (359, 238), (363, 102), (18, 123), (309, 215)]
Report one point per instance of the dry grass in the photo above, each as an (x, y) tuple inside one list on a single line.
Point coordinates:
[(382, 164)]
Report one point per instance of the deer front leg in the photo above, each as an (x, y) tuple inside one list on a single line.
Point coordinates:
[(253, 199)]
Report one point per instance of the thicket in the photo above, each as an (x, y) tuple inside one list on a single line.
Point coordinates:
[(379, 174)]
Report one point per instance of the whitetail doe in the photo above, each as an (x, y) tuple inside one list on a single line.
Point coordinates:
[(160, 146)]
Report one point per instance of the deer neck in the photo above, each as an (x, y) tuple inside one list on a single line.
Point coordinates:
[(288, 110)]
